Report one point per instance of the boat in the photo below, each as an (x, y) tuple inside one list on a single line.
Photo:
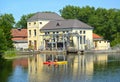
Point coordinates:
[(53, 62), (61, 62)]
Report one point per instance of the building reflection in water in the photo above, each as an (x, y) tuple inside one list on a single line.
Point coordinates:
[(79, 67)]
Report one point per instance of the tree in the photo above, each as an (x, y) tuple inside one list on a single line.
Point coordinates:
[(3, 45), (75, 12), (6, 24), (70, 12), (22, 23), (106, 22), (116, 39)]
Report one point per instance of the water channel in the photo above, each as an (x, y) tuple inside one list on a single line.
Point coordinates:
[(80, 68)]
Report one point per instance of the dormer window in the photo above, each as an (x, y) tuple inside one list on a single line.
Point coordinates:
[(58, 24)]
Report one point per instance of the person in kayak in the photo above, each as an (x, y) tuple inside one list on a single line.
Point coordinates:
[(56, 65)]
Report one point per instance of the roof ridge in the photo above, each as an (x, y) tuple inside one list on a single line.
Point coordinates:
[(45, 16)]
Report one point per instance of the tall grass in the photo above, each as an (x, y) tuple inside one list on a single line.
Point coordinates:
[(10, 53)]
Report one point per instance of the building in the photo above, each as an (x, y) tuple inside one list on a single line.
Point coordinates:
[(19, 37), (34, 25), (51, 31), (68, 33), (100, 43)]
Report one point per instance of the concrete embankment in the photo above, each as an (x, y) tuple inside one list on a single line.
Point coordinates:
[(102, 51), (41, 52), (28, 52), (53, 52), (64, 52)]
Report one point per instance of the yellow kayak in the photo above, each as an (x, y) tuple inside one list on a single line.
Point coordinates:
[(57, 62), (61, 62)]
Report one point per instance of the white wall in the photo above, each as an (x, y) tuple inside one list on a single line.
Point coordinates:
[(21, 45), (88, 38)]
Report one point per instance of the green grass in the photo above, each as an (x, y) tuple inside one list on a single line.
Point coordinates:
[(10, 54)]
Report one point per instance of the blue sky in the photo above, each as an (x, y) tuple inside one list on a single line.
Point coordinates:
[(20, 7)]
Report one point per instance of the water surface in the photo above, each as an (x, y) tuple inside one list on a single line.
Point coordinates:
[(80, 68)]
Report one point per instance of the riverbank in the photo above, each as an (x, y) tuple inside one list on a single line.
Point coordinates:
[(102, 51), (17, 56), (65, 52), (21, 54)]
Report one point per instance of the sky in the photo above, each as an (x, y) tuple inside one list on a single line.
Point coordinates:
[(23, 7)]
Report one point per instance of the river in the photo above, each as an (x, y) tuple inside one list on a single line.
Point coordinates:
[(79, 68)]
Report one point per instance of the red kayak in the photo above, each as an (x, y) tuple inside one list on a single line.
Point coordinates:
[(48, 62)]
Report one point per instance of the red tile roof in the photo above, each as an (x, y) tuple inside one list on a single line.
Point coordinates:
[(95, 36), (19, 34)]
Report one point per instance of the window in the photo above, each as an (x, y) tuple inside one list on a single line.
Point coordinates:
[(67, 31), (40, 22), (63, 31), (80, 32), (46, 33), (29, 32), (84, 32), (57, 32), (84, 38), (53, 32), (34, 32), (53, 39), (35, 44), (57, 24), (30, 43), (34, 23), (80, 39), (29, 24)]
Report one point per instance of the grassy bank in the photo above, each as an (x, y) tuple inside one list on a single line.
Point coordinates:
[(10, 54)]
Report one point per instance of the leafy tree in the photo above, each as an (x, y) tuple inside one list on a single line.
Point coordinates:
[(105, 22), (22, 23), (3, 45), (70, 12), (85, 13), (116, 39), (6, 24)]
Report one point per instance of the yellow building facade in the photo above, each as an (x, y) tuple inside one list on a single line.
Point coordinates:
[(34, 38)]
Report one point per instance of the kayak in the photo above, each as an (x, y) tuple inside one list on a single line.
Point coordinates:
[(61, 62), (58, 62)]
